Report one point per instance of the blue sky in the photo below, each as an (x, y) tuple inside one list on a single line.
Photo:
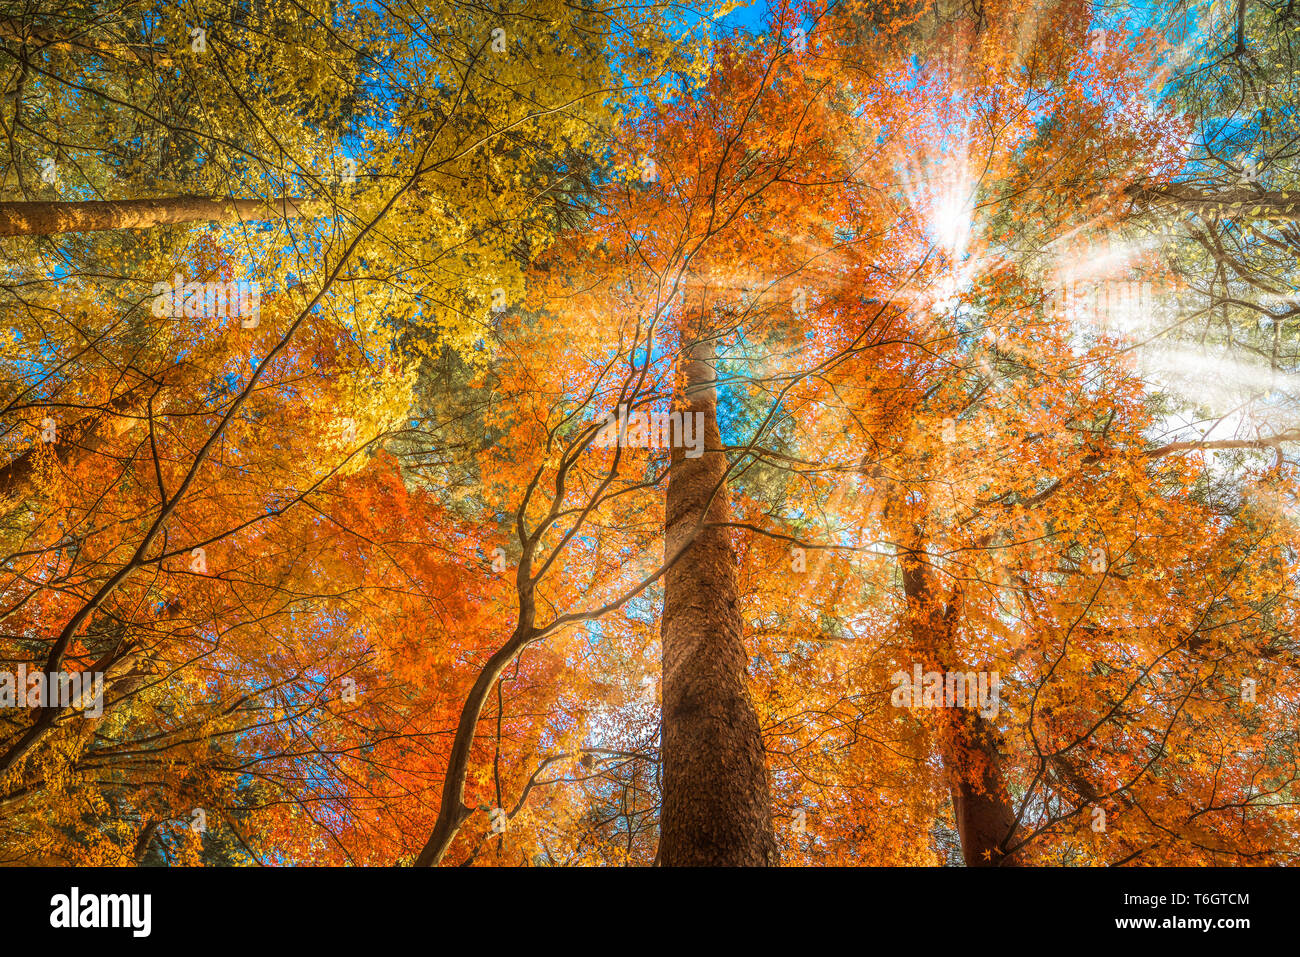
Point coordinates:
[(749, 17)]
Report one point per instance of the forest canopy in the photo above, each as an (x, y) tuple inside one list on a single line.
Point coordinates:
[(569, 433)]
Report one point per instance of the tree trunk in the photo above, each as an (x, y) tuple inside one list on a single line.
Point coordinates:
[(986, 819), (1242, 202), (981, 805), (46, 219), (452, 811), (73, 443), (717, 807), (64, 38)]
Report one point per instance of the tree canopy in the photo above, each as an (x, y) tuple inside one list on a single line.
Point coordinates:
[(565, 433)]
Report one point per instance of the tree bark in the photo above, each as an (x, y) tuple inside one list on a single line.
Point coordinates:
[(62, 37), (47, 219), (981, 805), (74, 442), (452, 811), (1242, 202), (982, 808), (143, 841), (716, 801)]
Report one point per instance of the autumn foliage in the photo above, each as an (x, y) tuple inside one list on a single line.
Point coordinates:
[(365, 584)]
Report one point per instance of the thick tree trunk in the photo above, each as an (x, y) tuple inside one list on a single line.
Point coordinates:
[(981, 805), (717, 807), (73, 443), (47, 219), (986, 819), (143, 841)]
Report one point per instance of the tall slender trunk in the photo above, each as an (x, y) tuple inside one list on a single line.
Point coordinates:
[(986, 819), (717, 807), (1237, 202), (46, 219), (453, 811)]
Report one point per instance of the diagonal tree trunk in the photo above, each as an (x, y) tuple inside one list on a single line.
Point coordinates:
[(717, 807), (75, 442), (47, 219), (76, 37)]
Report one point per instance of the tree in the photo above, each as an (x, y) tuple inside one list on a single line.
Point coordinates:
[(583, 435)]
